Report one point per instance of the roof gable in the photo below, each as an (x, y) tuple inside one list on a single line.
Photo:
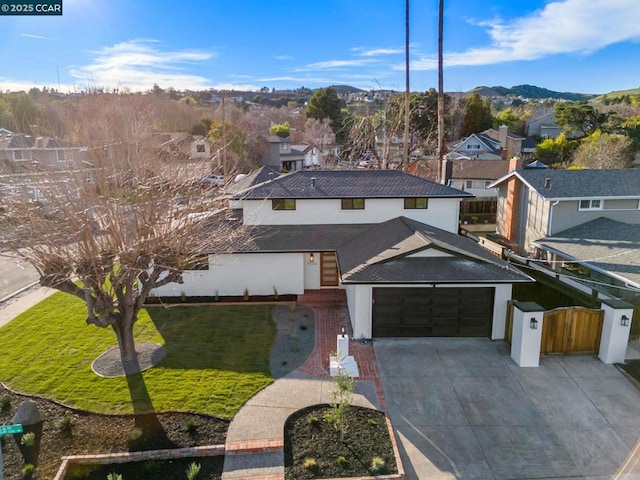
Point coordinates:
[(564, 184), (350, 184), (398, 243)]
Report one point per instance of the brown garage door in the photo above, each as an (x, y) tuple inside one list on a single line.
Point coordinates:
[(432, 312)]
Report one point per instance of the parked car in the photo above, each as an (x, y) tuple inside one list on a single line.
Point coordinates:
[(213, 180)]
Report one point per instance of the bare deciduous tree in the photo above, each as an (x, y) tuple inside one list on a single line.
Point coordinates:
[(604, 150), (111, 232)]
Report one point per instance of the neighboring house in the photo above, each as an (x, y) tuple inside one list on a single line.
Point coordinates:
[(19, 149), (512, 145), (581, 223), (389, 239), (262, 174), (476, 146), (602, 255), (543, 126), (182, 146), (283, 156), (25, 161)]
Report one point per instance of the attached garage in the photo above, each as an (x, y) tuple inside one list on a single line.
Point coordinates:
[(432, 312)]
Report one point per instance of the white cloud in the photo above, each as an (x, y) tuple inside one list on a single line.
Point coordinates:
[(40, 37), (283, 57), (138, 64), (376, 52), (334, 64), (561, 27)]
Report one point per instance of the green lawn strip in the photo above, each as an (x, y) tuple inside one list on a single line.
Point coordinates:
[(217, 357)]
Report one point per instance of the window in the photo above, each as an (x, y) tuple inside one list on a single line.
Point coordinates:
[(487, 183), (590, 205), (62, 157), (283, 204), (20, 155), (353, 204), (469, 184), (200, 148), (285, 146), (418, 202)]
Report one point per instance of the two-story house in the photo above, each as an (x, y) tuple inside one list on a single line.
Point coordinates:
[(387, 238), (582, 226)]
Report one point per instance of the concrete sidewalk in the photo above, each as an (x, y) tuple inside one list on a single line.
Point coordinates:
[(22, 302)]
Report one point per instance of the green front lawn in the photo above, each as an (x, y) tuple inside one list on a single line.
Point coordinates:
[(217, 357)]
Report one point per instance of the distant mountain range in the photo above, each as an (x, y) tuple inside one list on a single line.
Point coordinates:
[(529, 91)]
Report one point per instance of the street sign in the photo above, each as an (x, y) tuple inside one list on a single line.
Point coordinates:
[(10, 429)]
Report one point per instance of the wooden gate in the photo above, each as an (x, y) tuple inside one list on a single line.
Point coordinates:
[(566, 330), (571, 330)]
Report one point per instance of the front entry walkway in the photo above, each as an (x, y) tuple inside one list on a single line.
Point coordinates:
[(255, 439), (462, 409)]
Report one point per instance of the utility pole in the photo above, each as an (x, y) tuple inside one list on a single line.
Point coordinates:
[(407, 93), (441, 145)]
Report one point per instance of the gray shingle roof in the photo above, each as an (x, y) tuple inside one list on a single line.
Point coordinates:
[(582, 183), (382, 254), (603, 243), (263, 174), (350, 184)]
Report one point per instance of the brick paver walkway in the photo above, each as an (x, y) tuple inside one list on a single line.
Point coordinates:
[(331, 314)]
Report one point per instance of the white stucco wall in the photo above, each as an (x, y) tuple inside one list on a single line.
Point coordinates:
[(232, 274), (359, 302), (442, 212)]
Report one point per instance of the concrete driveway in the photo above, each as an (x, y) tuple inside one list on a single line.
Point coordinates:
[(462, 409)]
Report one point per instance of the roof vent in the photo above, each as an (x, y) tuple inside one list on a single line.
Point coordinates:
[(547, 183), (270, 175), (313, 182)]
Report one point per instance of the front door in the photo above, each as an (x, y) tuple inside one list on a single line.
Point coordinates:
[(328, 269)]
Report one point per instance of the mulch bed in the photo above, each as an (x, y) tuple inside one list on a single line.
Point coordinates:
[(93, 434), (317, 442), (221, 300)]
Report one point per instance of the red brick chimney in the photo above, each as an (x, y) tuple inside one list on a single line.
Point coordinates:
[(511, 205)]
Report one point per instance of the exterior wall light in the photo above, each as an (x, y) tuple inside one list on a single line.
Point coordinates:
[(533, 323), (624, 321), (311, 258)]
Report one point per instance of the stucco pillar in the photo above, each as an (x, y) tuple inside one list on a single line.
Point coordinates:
[(526, 336), (616, 327)]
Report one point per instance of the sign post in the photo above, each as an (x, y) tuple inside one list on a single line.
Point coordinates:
[(7, 430)]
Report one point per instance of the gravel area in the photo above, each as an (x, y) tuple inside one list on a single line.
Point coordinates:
[(294, 340)]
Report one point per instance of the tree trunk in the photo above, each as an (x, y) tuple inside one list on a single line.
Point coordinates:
[(124, 332)]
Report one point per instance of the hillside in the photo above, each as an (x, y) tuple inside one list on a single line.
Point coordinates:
[(528, 91), (618, 94)]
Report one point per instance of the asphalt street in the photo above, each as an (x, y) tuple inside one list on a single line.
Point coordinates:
[(14, 275)]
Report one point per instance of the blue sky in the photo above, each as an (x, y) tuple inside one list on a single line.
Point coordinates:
[(586, 46)]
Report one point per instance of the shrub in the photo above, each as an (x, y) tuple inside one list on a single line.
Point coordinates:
[(377, 464), (151, 467), (27, 470), (275, 294), (114, 476), (5, 404), (312, 420), (191, 427), (183, 296), (371, 421), (28, 439), (64, 425), (192, 471), (135, 434), (341, 460), (246, 295), (310, 463)]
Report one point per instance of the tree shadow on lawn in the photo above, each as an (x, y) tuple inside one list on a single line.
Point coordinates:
[(148, 433), (226, 338)]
